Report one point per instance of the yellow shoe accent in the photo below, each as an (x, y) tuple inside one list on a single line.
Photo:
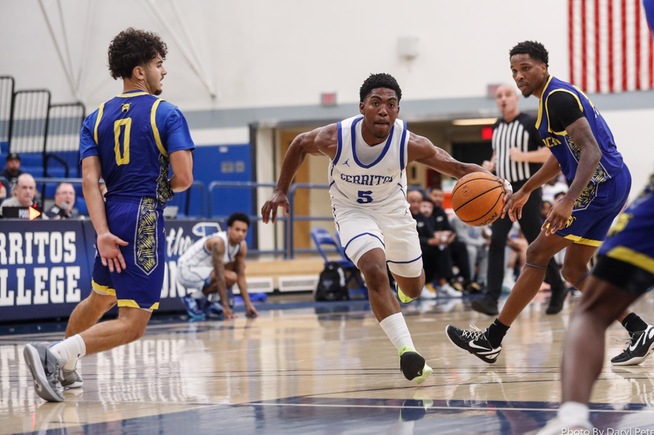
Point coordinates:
[(426, 372), (408, 365), (402, 297)]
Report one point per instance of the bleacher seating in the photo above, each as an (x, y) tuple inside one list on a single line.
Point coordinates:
[(45, 135)]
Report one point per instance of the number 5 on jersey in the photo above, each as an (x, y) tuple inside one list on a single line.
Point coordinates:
[(364, 196)]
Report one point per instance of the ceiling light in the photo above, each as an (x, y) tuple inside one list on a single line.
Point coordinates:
[(474, 121)]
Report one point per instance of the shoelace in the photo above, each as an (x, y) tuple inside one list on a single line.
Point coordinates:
[(474, 333), (626, 343)]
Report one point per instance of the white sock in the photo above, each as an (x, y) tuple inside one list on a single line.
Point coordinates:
[(574, 413), (69, 351), (396, 330), (197, 294)]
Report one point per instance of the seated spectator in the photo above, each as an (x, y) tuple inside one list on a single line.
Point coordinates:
[(10, 173), (477, 241), (64, 200), (516, 258), (554, 187), (428, 243), (456, 249), (23, 193)]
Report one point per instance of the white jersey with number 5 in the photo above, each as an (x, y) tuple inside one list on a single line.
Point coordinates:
[(367, 176)]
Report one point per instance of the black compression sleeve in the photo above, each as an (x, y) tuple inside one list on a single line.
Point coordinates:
[(563, 110)]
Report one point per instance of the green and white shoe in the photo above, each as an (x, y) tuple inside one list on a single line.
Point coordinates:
[(401, 296), (413, 365)]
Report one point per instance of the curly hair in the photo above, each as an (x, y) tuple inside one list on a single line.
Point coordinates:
[(131, 48), (534, 49), (381, 80), (241, 217)]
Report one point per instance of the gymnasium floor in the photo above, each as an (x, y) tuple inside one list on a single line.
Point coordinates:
[(306, 368)]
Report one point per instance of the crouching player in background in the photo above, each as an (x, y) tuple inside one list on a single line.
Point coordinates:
[(211, 266)]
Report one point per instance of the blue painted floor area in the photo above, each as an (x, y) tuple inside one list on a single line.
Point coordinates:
[(363, 416)]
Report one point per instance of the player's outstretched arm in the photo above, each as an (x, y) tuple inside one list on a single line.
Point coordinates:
[(241, 281), (319, 141)]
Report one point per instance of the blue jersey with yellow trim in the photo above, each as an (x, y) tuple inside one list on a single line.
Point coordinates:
[(562, 147), (133, 134)]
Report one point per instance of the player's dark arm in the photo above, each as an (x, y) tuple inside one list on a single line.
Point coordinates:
[(241, 281), (566, 113)]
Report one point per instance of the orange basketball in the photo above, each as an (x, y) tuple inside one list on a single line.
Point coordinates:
[(478, 198)]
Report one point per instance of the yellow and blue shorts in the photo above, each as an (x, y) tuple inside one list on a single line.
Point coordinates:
[(596, 209), (141, 224), (626, 259)]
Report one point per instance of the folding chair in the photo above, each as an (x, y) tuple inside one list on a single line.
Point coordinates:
[(323, 238)]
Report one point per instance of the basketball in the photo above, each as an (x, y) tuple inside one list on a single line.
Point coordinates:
[(478, 198)]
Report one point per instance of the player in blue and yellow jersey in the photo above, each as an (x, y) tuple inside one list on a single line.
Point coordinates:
[(623, 273), (132, 142), (583, 149)]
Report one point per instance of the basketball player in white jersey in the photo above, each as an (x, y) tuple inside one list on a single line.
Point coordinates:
[(212, 265), (369, 154)]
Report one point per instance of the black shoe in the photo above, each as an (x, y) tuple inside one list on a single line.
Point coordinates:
[(413, 365), (639, 347), (474, 341), (556, 300), (485, 305)]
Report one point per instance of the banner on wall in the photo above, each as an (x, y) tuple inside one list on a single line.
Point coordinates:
[(46, 266)]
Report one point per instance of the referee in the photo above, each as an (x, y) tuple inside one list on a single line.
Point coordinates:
[(517, 154)]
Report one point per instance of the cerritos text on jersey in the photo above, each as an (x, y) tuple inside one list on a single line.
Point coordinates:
[(54, 279), (367, 180)]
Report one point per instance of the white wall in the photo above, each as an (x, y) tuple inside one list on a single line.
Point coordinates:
[(630, 129), (256, 53)]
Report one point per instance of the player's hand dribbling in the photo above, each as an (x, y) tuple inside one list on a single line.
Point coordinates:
[(109, 250), (269, 209)]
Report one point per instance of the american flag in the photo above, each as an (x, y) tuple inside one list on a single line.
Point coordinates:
[(611, 49)]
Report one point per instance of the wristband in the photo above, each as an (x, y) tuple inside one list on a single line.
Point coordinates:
[(507, 186)]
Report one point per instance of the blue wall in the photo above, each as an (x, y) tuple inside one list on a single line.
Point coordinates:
[(220, 163), (211, 163)]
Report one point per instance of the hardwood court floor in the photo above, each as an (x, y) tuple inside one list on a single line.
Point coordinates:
[(306, 368)]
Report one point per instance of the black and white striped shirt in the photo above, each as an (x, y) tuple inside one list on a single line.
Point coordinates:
[(520, 133)]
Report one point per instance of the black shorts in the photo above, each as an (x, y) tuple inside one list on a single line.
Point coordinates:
[(624, 275)]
